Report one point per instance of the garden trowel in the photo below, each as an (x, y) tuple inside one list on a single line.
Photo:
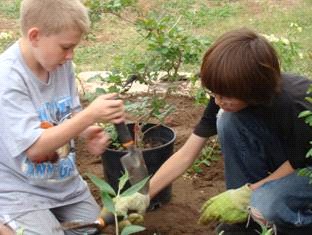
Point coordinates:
[(133, 161), (104, 220), (99, 224)]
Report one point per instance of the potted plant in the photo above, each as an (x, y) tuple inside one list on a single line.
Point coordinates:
[(150, 135), (165, 48)]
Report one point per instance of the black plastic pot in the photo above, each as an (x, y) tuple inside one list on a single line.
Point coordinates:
[(154, 158)]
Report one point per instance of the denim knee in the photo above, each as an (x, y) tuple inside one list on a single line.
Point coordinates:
[(286, 201), (268, 203)]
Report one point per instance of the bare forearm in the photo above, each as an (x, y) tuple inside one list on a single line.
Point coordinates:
[(177, 164), (168, 172), (104, 108), (284, 170), (55, 137)]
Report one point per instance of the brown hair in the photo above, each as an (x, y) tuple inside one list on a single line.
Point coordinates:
[(243, 65), (54, 16)]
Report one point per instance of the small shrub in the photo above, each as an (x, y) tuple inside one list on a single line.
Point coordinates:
[(166, 49)]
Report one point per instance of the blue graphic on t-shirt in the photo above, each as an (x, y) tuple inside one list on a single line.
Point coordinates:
[(56, 111), (59, 170)]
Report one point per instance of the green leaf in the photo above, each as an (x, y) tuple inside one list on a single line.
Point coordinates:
[(308, 120), (108, 202), (309, 99), (206, 162), (132, 229), (135, 188), (305, 113), (309, 153), (303, 172), (197, 169), (101, 184), (100, 91), (123, 180)]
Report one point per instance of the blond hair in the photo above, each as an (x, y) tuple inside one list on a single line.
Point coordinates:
[(54, 16)]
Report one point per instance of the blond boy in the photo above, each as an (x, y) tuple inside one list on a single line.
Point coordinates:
[(40, 113)]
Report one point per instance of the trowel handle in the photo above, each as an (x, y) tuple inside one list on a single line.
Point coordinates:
[(124, 134)]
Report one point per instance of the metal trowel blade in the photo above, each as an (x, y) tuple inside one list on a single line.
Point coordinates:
[(134, 163)]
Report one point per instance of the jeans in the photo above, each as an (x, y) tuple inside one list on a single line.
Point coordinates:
[(251, 152)]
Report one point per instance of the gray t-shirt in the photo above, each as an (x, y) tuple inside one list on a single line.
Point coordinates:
[(25, 103)]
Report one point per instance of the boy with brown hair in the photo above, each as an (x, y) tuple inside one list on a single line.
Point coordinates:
[(254, 110), (41, 114)]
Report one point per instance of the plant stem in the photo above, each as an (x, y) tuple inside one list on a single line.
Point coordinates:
[(116, 224)]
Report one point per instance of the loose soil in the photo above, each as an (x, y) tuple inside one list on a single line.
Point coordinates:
[(189, 192)]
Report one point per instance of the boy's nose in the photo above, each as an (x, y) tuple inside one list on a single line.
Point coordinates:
[(69, 55), (218, 100)]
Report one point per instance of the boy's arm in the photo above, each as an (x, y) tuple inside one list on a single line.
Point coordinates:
[(177, 164), (180, 161), (284, 170), (104, 108)]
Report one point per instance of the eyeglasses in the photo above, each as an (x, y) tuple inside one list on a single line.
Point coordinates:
[(223, 100)]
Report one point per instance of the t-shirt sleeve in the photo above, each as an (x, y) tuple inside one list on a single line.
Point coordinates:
[(207, 126), (20, 126)]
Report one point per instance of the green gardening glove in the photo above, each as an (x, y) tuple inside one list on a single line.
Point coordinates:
[(228, 207), (132, 219), (135, 202)]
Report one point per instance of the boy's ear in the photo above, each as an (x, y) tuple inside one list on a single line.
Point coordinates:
[(33, 36)]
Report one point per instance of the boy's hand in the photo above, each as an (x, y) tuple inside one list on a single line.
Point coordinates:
[(96, 139), (107, 108), (135, 202), (229, 206)]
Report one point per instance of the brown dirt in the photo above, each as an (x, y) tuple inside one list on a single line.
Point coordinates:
[(180, 215)]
